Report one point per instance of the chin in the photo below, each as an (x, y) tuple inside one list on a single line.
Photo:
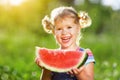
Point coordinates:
[(65, 46)]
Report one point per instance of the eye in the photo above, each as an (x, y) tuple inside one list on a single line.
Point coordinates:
[(69, 27), (58, 28)]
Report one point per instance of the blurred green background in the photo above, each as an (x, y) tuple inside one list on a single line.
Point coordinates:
[(21, 31)]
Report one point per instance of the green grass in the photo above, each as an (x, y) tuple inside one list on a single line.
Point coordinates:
[(17, 53)]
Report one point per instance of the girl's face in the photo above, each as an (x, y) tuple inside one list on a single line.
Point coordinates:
[(66, 32)]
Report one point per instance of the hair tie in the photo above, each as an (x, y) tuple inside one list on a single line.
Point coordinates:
[(47, 25), (84, 19)]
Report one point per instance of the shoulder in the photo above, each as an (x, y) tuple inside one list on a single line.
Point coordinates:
[(89, 52), (90, 55)]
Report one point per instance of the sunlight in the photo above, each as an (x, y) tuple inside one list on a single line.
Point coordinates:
[(115, 4), (11, 2), (15, 2)]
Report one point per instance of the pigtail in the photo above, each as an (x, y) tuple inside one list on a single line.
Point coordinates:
[(47, 25), (84, 19)]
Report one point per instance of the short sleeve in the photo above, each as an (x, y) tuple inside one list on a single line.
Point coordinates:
[(90, 57)]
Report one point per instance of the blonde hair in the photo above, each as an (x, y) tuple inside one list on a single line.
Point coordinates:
[(82, 18)]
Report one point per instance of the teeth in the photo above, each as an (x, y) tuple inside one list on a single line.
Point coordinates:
[(65, 39)]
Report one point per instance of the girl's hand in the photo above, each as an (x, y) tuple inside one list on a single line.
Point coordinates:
[(86, 72), (76, 71), (37, 61)]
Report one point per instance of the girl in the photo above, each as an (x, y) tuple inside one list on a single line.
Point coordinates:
[(65, 24)]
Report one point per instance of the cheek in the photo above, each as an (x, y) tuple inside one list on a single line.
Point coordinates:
[(78, 30), (76, 33), (57, 37), (57, 32)]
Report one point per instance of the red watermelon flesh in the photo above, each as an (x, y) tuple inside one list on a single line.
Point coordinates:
[(60, 60)]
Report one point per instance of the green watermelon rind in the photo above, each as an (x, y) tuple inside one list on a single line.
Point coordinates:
[(84, 60), (81, 62)]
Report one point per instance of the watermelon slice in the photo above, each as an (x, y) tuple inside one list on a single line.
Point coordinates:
[(60, 60)]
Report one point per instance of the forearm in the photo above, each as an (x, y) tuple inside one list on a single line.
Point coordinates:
[(87, 73), (45, 75), (85, 76)]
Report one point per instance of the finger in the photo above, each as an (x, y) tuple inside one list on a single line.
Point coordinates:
[(70, 72), (81, 68), (75, 71), (37, 61)]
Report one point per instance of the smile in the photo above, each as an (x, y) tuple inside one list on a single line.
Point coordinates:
[(65, 39)]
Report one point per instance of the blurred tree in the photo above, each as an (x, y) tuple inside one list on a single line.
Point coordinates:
[(29, 14), (113, 24), (67, 2), (98, 13)]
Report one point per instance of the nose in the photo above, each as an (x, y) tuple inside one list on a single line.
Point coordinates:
[(64, 31)]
